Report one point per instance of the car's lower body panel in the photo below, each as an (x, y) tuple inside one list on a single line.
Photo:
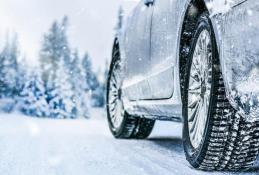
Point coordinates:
[(156, 109)]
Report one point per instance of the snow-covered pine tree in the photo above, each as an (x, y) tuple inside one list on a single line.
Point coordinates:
[(51, 95), (77, 81), (66, 52), (55, 58), (63, 105), (2, 76), (8, 68), (93, 84), (50, 56), (99, 95), (8, 73), (54, 48), (32, 100), (106, 71), (91, 81), (22, 71), (105, 79)]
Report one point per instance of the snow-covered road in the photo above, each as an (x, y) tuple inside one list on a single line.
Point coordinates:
[(30, 146)]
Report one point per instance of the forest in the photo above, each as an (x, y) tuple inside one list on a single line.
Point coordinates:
[(64, 85)]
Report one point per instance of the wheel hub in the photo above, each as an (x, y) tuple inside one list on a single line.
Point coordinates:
[(203, 89), (119, 94)]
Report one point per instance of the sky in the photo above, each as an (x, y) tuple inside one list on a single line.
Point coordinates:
[(91, 29)]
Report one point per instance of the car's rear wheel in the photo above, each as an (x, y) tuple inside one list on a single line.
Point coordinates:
[(122, 124), (215, 137)]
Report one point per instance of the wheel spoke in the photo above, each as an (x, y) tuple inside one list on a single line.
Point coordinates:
[(113, 101), (192, 103), (114, 81), (195, 123), (193, 113), (196, 67)]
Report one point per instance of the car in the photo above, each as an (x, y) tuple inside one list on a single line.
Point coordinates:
[(195, 62)]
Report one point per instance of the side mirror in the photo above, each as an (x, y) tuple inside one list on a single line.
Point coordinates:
[(149, 2)]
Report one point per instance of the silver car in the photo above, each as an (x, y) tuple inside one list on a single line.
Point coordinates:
[(190, 61)]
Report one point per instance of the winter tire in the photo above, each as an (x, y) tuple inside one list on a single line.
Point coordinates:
[(215, 137), (123, 125)]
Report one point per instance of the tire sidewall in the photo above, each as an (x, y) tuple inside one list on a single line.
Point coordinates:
[(196, 156)]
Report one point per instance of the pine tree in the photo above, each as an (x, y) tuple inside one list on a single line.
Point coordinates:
[(106, 71), (62, 105), (104, 83), (2, 76), (91, 81), (64, 40), (32, 100), (98, 98), (8, 69), (21, 75), (56, 63), (93, 85), (77, 80), (99, 95), (55, 47)]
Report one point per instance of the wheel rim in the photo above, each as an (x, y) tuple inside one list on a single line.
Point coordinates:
[(199, 90), (115, 104)]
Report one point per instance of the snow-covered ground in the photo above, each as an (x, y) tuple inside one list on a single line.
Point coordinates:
[(32, 146)]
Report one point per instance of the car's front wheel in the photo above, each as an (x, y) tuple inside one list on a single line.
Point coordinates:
[(215, 137), (122, 124)]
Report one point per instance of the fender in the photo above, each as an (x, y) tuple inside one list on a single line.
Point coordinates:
[(237, 38)]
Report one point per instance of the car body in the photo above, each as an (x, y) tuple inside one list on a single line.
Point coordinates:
[(155, 34), (195, 61)]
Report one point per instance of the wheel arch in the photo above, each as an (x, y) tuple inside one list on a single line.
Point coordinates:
[(116, 45), (119, 43), (190, 17)]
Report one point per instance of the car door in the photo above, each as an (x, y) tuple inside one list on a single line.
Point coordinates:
[(164, 32), (137, 52)]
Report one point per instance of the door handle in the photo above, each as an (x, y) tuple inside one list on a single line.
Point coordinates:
[(148, 2)]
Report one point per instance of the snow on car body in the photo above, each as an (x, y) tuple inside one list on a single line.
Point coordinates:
[(155, 46)]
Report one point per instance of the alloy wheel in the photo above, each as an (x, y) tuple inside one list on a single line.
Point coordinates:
[(115, 103), (199, 90)]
